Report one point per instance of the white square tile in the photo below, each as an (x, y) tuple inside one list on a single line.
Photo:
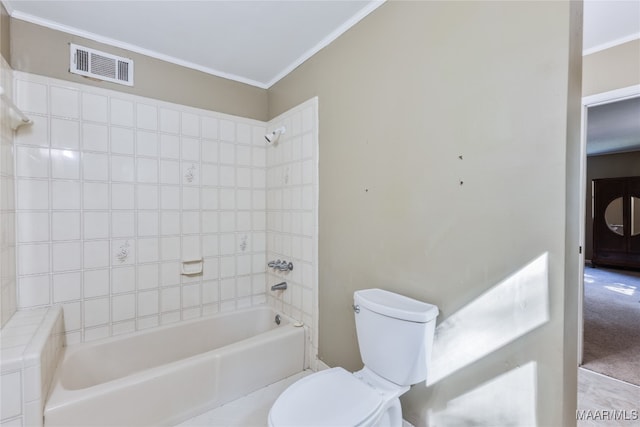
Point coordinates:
[(123, 252), (227, 153), (64, 102), (258, 221), (147, 144), (32, 291), (147, 223), (210, 222), (147, 303), (190, 149), (33, 227), (190, 173), (170, 197), (32, 162), (124, 327), (72, 317), (210, 291), (190, 198), (147, 117), (227, 244), (122, 224), (170, 248), (96, 225), (148, 250), (96, 312), (190, 124), (227, 289), (122, 196), (210, 245), (94, 107), (96, 283), (191, 247), (123, 279), (95, 195), (227, 130), (96, 254), (93, 334), (95, 137), (124, 307), (95, 167), (227, 222), (259, 157), (170, 273), (170, 299), (209, 127), (67, 256), (227, 266), (121, 112), (170, 223), (243, 155), (209, 198), (191, 295), (209, 174), (36, 134), (33, 259), (169, 121), (122, 141), (169, 172), (65, 225), (209, 151), (67, 287), (122, 168), (148, 276), (11, 395), (211, 269), (147, 197), (169, 146), (65, 134), (190, 222), (32, 383), (243, 221), (227, 176), (147, 170), (32, 97), (33, 194), (65, 195), (227, 199), (243, 133), (65, 164), (243, 177), (307, 146)]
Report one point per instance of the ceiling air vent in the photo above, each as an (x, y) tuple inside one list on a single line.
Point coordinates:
[(101, 65)]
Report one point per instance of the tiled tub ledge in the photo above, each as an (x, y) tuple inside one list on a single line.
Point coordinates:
[(30, 347)]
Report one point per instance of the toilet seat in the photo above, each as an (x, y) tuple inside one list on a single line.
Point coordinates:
[(333, 397)]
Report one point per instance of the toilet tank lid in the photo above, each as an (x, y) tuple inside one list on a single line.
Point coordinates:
[(395, 305)]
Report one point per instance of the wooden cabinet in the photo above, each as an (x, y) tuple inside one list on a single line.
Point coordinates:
[(616, 222)]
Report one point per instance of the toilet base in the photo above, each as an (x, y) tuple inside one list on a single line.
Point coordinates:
[(392, 416)]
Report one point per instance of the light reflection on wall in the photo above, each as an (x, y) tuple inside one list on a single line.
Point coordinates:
[(505, 312), (490, 404)]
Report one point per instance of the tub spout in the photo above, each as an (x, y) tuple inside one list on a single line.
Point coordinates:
[(280, 286)]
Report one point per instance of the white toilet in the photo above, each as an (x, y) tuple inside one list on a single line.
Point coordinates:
[(395, 335)]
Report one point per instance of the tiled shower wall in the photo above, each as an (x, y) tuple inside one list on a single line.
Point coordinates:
[(114, 191), (292, 231), (7, 203)]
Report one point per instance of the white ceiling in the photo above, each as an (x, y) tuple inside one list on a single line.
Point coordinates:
[(254, 42)]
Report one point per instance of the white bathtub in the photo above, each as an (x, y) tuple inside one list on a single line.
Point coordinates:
[(168, 374)]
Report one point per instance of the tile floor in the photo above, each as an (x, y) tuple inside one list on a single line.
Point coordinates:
[(595, 393)]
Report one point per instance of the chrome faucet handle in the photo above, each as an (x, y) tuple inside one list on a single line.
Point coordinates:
[(272, 264)]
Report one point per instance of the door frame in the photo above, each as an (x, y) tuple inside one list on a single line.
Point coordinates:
[(591, 101)]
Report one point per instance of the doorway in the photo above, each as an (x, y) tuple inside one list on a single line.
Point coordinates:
[(604, 99)]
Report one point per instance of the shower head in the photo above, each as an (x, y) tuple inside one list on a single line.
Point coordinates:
[(272, 137)]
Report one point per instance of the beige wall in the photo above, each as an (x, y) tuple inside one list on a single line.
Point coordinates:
[(612, 68), (4, 33), (40, 50), (402, 95), (606, 166)]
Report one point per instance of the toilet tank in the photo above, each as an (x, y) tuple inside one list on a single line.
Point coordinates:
[(395, 334)]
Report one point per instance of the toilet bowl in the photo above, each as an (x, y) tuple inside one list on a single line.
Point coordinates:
[(395, 334)]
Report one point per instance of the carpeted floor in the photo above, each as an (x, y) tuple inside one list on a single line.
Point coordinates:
[(612, 323)]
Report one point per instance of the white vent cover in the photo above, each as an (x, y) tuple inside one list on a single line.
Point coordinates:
[(100, 65)]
